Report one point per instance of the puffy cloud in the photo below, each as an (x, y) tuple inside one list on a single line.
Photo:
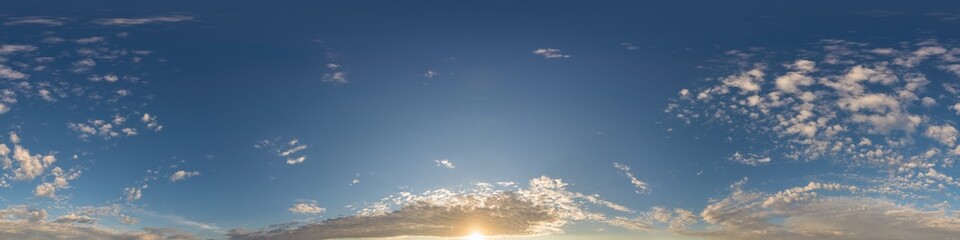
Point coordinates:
[(151, 122), (182, 175), (747, 82), (790, 82), (444, 163), (919, 55), (11, 74), (111, 128), (640, 185), (550, 53), (928, 102), (945, 134), (28, 166), (142, 21), (60, 181), (822, 110), (543, 208)]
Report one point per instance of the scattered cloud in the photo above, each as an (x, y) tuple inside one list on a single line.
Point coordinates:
[(356, 180), (61, 180), (550, 53), (855, 104), (445, 163), (7, 49), (749, 159), (640, 185), (307, 207), (89, 40), (151, 122), (141, 21), (431, 74), (133, 193), (181, 175), (23, 164), (289, 150), (336, 77)]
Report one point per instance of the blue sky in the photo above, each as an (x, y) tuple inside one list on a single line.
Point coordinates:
[(500, 119)]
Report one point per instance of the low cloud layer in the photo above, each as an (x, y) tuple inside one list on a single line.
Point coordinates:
[(543, 208), (798, 213)]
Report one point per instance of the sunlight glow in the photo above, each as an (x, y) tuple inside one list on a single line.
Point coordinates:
[(475, 236)]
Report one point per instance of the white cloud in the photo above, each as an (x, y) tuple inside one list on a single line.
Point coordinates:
[(640, 185), (28, 166), (307, 208), (336, 77), (747, 82), (151, 122), (945, 134), (89, 40), (7, 49), (11, 74), (133, 193), (550, 53), (790, 82), (928, 102), (34, 20), (60, 181), (21, 222), (431, 74), (543, 208), (749, 159), (183, 175), (444, 163), (356, 180), (289, 150), (141, 21), (804, 215), (920, 55)]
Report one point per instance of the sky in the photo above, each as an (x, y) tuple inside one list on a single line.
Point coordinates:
[(479, 120)]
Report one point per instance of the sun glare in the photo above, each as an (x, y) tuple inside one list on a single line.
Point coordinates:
[(475, 236)]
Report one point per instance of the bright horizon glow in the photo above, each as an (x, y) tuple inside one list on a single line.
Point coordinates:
[(476, 236)]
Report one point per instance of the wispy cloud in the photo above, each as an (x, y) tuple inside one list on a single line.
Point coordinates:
[(142, 21), (289, 150), (640, 185), (307, 207), (750, 215), (34, 20)]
